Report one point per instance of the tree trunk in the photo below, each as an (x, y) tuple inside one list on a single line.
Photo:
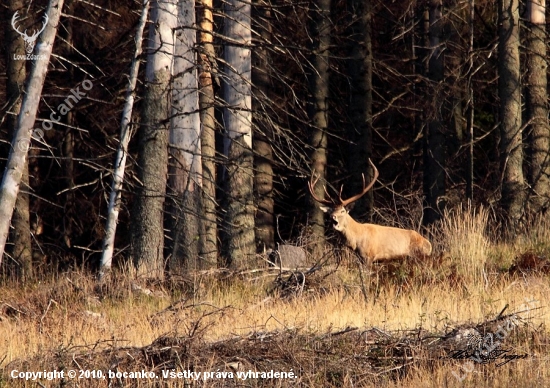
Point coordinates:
[(263, 179), (148, 233), (537, 107), (17, 159), (237, 115), (509, 90), (360, 132), (434, 139), (470, 106), (207, 65), (185, 147), (69, 205), (16, 74), (122, 152), (319, 88)]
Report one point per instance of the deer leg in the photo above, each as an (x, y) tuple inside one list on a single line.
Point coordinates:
[(369, 263)]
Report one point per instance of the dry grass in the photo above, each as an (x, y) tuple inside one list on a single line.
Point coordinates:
[(467, 284), (463, 237)]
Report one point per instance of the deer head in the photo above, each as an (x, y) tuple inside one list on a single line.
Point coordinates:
[(371, 242), (337, 208), (29, 40)]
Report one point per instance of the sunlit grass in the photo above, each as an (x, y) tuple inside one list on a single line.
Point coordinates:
[(62, 313), (463, 236)]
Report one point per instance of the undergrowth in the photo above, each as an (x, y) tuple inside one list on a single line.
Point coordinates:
[(471, 277)]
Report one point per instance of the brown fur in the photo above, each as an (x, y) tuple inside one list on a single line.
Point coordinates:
[(376, 243), (371, 242)]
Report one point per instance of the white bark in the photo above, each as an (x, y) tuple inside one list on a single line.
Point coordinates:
[(237, 117), (122, 152), (161, 38), (148, 214), (25, 122), (185, 143), (237, 91), (185, 123), (536, 11)]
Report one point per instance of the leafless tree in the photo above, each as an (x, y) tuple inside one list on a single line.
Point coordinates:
[(20, 144), (509, 91), (240, 247), (537, 107), (148, 216)]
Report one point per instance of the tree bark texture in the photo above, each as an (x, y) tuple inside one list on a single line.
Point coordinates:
[(16, 74), (17, 158), (237, 115), (360, 131), (537, 107), (148, 233), (185, 148), (319, 89), (207, 66), (122, 152), (509, 90), (263, 135)]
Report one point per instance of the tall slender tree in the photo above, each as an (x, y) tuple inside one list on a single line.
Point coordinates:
[(360, 73), (69, 204), (237, 116), (434, 138), (207, 76), (537, 107), (263, 153), (148, 231), (122, 151), (318, 81), (470, 104), (185, 147), (16, 74), (509, 91), (17, 158)]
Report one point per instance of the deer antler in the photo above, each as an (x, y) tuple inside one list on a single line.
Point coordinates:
[(311, 186), (346, 202), (341, 202)]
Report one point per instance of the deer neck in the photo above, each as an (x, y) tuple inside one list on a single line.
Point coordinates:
[(351, 231)]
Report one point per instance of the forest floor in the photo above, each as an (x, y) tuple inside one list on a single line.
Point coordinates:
[(407, 324)]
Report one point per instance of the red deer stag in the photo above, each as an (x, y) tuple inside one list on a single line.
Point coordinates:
[(371, 242)]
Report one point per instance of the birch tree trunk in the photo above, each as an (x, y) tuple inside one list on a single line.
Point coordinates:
[(237, 115), (537, 107), (185, 147), (319, 87), (17, 159), (16, 73), (509, 90), (122, 152), (207, 65), (148, 233)]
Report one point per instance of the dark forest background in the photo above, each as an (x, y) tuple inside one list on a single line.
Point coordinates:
[(430, 116)]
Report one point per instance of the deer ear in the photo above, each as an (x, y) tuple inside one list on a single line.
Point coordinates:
[(349, 207), (325, 209)]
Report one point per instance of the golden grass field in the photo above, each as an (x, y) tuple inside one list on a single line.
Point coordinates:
[(468, 281)]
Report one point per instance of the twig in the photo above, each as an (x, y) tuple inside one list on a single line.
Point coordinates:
[(47, 309)]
